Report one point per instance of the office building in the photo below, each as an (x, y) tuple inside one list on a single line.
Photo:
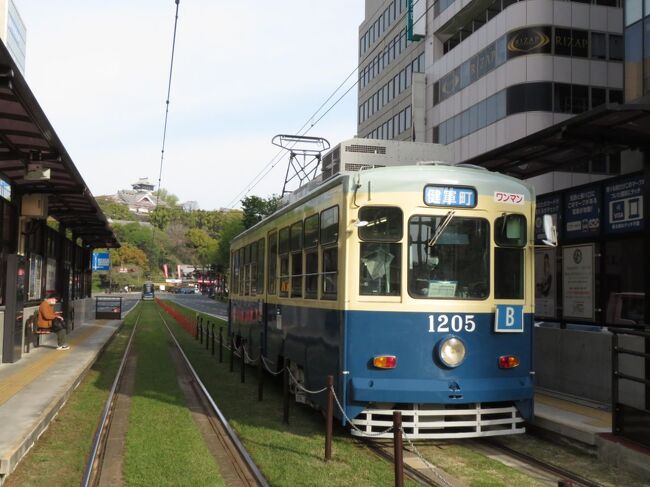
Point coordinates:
[(13, 32)]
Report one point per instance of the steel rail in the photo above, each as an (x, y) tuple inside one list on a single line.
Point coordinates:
[(90, 471), (410, 472), (548, 467), (222, 419)]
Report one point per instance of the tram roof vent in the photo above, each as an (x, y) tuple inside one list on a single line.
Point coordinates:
[(360, 154)]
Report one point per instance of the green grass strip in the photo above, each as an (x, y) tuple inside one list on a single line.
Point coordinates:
[(287, 455), (163, 445), (59, 456)]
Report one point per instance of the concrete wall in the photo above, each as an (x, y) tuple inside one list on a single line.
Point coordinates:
[(579, 363), (574, 362)]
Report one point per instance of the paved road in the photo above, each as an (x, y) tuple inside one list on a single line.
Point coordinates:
[(198, 302)]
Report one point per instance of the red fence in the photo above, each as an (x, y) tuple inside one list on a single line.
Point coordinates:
[(182, 320)]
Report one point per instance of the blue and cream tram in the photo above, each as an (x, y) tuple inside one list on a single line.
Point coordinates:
[(413, 286)]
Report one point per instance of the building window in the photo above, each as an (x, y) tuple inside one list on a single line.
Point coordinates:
[(633, 65), (598, 46), (598, 97), (633, 12), (616, 51)]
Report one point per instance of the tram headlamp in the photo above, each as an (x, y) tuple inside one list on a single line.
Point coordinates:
[(451, 351)]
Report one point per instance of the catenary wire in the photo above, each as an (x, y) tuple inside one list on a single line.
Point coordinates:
[(273, 162), (164, 137)]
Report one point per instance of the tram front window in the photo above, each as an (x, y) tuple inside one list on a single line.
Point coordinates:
[(456, 264)]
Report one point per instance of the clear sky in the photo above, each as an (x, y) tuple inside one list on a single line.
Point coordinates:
[(245, 70)]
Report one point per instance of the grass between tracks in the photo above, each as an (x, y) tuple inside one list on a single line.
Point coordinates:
[(163, 445), (59, 456), (287, 455)]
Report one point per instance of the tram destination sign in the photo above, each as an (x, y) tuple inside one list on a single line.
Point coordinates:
[(451, 196)]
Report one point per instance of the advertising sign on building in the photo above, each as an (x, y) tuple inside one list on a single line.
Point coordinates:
[(624, 205), (545, 283), (582, 212), (547, 205), (532, 40), (578, 278), (101, 261)]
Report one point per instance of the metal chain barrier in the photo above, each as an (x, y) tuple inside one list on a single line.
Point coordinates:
[(352, 425), (428, 464), (249, 358), (299, 386), (265, 363)]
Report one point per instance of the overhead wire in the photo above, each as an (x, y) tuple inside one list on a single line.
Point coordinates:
[(164, 138), (269, 166)]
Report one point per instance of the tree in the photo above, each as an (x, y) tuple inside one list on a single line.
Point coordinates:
[(256, 208), (164, 195), (114, 210), (232, 227)]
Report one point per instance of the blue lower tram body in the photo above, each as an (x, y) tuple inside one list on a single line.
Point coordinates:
[(343, 344)]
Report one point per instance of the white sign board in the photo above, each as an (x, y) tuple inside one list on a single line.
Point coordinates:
[(578, 277), (545, 283)]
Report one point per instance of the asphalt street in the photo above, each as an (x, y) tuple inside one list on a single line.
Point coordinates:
[(198, 302)]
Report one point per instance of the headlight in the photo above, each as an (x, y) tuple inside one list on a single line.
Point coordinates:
[(451, 352)]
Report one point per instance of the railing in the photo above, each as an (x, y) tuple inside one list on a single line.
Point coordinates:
[(108, 308), (631, 421)]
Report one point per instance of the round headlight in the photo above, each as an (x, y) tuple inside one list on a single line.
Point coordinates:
[(452, 352)]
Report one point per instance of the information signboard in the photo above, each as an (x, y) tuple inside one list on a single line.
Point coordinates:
[(624, 205), (578, 278), (101, 261), (582, 212), (545, 283)]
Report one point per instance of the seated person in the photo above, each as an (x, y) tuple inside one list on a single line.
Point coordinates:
[(48, 318)]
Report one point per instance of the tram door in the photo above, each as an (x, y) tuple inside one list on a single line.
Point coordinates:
[(15, 299)]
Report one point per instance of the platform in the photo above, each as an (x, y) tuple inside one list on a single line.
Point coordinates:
[(33, 390), (589, 424)]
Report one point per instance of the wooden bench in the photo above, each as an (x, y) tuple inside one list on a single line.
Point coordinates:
[(33, 332)]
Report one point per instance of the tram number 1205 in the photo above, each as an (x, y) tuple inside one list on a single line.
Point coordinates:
[(454, 323)]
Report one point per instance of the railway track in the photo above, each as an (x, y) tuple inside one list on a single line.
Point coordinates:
[(235, 464), (415, 468), (532, 464)]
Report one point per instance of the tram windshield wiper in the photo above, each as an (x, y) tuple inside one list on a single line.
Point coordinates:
[(441, 228)]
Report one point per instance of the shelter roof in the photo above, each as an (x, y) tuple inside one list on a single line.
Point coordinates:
[(27, 136), (607, 129)]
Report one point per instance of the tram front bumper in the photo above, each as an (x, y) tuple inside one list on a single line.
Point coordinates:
[(436, 391)]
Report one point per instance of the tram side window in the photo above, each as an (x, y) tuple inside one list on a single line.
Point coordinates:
[(284, 261), (296, 260), (510, 237), (235, 274), (247, 270), (252, 277), (381, 252), (329, 234), (260, 266), (310, 240), (448, 257), (273, 261)]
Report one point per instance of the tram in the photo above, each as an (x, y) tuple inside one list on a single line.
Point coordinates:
[(148, 291), (413, 286)]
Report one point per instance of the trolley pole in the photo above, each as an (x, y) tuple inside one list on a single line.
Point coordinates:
[(398, 449), (329, 418)]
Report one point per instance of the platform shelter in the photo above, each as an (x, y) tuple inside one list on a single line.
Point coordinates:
[(49, 220)]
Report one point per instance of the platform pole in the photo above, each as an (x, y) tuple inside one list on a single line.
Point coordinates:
[(398, 449), (329, 424)]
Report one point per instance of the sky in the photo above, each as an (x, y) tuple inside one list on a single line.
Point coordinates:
[(244, 71)]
